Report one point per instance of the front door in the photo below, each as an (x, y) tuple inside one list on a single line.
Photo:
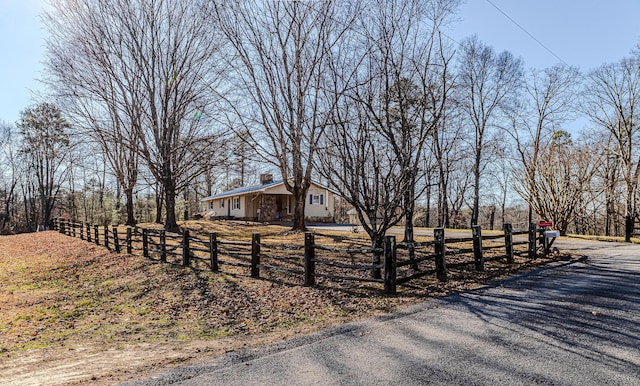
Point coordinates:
[(229, 208), (278, 207)]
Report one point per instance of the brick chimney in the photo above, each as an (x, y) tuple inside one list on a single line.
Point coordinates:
[(266, 178)]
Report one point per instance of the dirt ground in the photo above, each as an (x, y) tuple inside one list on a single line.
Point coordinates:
[(72, 312)]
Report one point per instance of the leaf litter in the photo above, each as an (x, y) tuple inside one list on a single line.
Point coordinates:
[(70, 304)]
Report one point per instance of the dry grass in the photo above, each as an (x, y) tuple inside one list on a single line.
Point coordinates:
[(634, 240), (61, 296)]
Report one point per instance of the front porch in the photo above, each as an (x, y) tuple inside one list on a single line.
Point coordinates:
[(271, 207)]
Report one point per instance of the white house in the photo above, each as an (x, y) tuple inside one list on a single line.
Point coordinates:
[(270, 201)]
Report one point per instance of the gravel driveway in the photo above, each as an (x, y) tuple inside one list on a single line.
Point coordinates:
[(573, 323)]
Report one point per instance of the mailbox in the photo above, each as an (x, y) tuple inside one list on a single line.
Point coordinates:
[(549, 238), (550, 234)]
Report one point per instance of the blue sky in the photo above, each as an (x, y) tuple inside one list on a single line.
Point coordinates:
[(21, 53), (583, 33)]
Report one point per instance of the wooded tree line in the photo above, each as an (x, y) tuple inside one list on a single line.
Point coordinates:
[(155, 104)]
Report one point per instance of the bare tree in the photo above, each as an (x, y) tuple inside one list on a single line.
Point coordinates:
[(488, 79), (114, 134), (362, 167), (448, 151), (609, 174), (8, 174), (148, 69), (408, 66), (280, 50), (613, 91), (390, 79), (552, 95), (559, 187)]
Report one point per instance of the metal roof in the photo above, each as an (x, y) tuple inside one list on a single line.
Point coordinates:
[(244, 190), (256, 189)]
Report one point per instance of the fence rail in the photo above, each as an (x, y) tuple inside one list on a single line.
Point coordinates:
[(393, 264)]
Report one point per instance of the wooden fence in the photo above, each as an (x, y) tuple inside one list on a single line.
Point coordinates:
[(394, 264), (440, 256)]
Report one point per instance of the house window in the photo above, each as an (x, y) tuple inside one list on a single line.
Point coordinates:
[(210, 204), (222, 202), (235, 203), (316, 199)]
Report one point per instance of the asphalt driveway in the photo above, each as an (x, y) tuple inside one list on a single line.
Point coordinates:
[(574, 323)]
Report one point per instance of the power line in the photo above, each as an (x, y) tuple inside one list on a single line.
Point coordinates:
[(527, 32)]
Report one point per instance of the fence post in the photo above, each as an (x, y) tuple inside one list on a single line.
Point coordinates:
[(62, 225), (116, 240), (163, 246), (390, 265), (532, 241), (255, 255), (73, 228), (440, 249), (309, 259), (213, 251), (508, 242), (81, 231), (185, 248), (88, 232), (106, 237), (545, 244), (54, 224), (478, 257), (96, 234), (129, 240), (145, 243)]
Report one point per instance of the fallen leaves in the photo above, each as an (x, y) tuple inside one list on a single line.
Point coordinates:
[(59, 293)]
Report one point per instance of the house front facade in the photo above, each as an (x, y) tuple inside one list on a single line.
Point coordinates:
[(269, 201)]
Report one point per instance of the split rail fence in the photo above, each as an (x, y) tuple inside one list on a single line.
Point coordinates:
[(392, 265)]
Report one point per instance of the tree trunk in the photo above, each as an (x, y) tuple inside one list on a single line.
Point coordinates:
[(7, 204), (492, 217), (159, 200), (377, 240), (503, 206), (629, 211), (409, 207), (186, 203), (298, 210), (169, 188), (47, 209), (607, 221), (131, 219), (476, 193), (427, 216), (445, 213)]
